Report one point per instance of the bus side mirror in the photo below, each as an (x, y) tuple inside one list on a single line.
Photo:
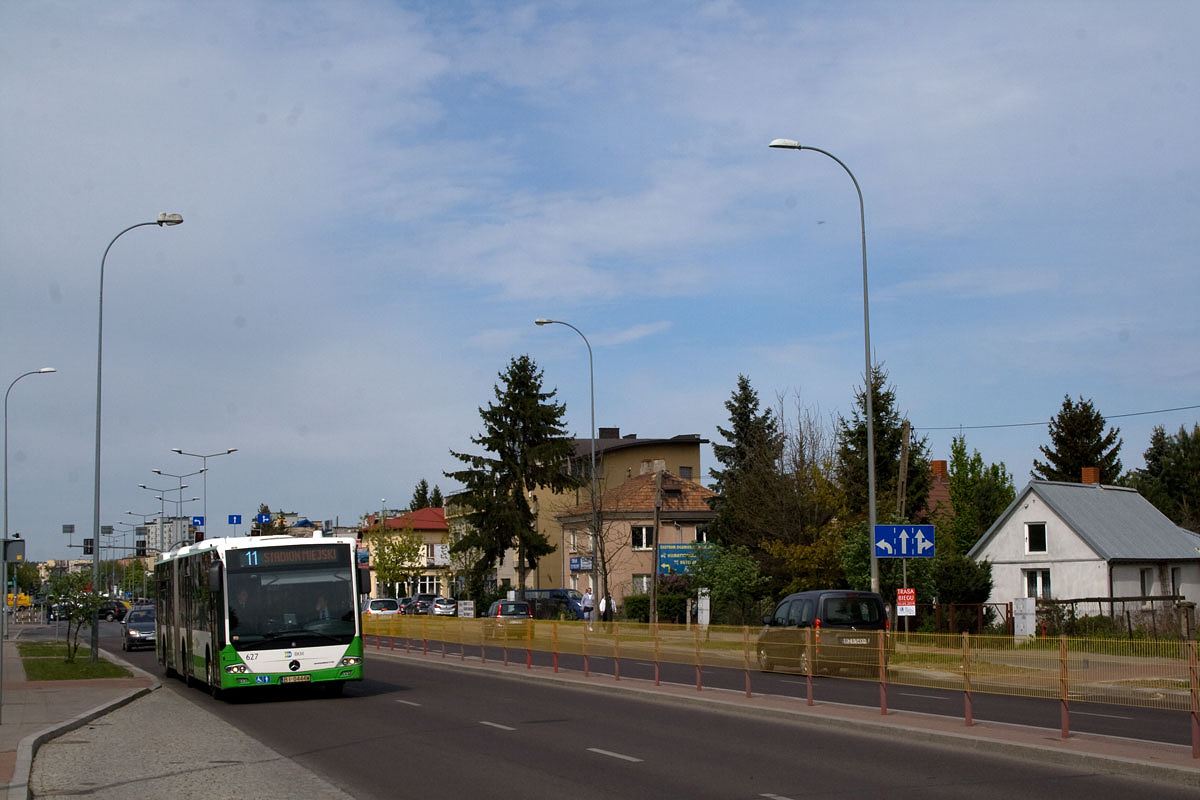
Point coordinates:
[(214, 577), (364, 580)]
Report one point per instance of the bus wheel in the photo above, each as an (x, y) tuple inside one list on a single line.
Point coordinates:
[(185, 668), (214, 677)]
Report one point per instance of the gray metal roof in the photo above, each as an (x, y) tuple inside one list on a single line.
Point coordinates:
[(1118, 523)]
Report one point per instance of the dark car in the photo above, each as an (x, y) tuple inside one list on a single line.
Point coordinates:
[(421, 604), (138, 628), (825, 630), (113, 610), (406, 605)]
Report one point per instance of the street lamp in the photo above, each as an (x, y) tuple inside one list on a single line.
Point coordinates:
[(162, 504), (204, 469), (592, 434), (869, 377), (181, 486), (163, 220), (4, 544)]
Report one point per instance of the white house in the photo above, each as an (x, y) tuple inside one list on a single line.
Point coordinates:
[(1085, 540)]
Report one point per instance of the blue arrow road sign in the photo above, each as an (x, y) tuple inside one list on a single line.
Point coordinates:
[(235, 519), (904, 541), (198, 522), (263, 519)]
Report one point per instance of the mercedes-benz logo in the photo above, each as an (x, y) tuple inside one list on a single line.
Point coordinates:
[(293, 665)]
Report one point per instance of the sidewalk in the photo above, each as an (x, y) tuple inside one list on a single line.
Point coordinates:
[(35, 711)]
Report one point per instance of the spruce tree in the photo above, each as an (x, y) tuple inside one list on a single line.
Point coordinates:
[(1171, 478), (420, 498), (525, 449), (1078, 440)]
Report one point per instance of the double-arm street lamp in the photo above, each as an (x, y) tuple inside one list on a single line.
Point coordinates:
[(162, 504), (868, 376), (182, 486), (163, 220), (596, 595), (204, 469)]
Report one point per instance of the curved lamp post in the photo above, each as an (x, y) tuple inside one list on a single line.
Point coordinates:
[(595, 521), (792, 144), (204, 469), (4, 544), (163, 220)]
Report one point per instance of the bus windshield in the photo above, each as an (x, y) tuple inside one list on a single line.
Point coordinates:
[(288, 606)]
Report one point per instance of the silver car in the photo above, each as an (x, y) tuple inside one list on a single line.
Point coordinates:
[(445, 606)]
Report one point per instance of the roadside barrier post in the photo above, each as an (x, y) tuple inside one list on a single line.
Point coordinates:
[(616, 629), (1194, 691), (529, 644), (584, 628), (1062, 680), (966, 670), (880, 639), (698, 681), (808, 671), (554, 632), (654, 635), (746, 655)]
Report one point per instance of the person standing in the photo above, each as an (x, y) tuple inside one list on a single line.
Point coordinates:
[(587, 606)]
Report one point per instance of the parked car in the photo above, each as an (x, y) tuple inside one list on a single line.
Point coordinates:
[(406, 605), (421, 603), (138, 628), (508, 618), (445, 606), (113, 610), (381, 607), (846, 626)]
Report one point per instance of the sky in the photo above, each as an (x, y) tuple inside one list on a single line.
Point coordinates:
[(380, 198)]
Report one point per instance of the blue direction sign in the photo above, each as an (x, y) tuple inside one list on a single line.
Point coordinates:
[(904, 541), (198, 522), (263, 519), (235, 519), (677, 559)]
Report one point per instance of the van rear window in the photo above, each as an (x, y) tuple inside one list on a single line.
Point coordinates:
[(852, 611)]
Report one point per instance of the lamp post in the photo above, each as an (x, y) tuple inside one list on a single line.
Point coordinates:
[(181, 486), (4, 544), (162, 504), (596, 595), (163, 220), (869, 377), (204, 469)]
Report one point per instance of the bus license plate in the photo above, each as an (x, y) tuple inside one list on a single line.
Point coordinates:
[(295, 679), (857, 640)]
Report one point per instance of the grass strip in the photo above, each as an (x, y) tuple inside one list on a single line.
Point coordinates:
[(47, 661)]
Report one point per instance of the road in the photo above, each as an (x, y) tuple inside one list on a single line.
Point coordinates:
[(427, 729)]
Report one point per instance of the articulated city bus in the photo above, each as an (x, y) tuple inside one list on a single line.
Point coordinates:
[(260, 611)]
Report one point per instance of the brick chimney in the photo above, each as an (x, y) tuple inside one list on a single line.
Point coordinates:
[(650, 465), (939, 470), (1091, 475)]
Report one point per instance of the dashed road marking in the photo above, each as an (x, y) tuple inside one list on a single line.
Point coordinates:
[(496, 725), (611, 754)]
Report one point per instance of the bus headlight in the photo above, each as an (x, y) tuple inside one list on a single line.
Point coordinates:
[(350, 661), (237, 669)]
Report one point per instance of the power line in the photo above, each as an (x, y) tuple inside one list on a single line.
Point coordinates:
[(1047, 422)]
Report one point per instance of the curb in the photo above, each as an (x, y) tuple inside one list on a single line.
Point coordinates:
[(23, 769)]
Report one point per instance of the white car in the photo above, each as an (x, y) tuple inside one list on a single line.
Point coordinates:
[(381, 607)]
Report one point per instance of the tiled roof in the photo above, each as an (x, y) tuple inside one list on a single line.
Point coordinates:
[(637, 494), (423, 519)]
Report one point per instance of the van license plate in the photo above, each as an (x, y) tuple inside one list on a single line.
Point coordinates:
[(295, 679), (855, 640)]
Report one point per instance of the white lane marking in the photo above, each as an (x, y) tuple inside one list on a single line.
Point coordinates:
[(770, 796), (1091, 714), (611, 754), (408, 703), (926, 696), (496, 725)]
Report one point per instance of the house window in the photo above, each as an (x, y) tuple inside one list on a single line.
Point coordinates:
[(702, 533), (1147, 581), (1176, 578), (1035, 537), (1037, 583), (428, 584), (641, 584), (685, 473), (643, 537), (573, 542)]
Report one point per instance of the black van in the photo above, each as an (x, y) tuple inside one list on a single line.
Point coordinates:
[(847, 629)]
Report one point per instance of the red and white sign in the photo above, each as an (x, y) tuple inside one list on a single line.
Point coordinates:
[(906, 602)]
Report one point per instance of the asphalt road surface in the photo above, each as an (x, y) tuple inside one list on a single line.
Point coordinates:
[(432, 730)]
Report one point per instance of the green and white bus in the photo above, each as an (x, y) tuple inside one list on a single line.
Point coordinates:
[(260, 611)]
